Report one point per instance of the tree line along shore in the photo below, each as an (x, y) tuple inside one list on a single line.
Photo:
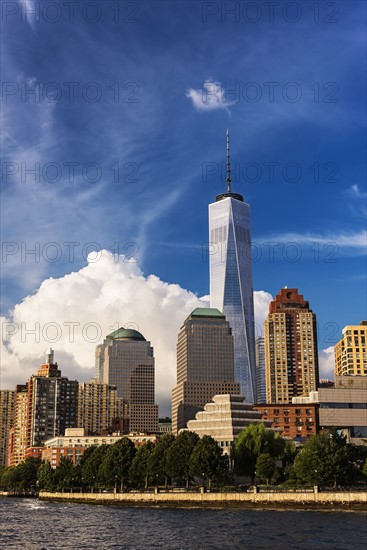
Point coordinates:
[(188, 462)]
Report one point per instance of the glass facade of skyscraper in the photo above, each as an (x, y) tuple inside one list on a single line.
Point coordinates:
[(231, 288)]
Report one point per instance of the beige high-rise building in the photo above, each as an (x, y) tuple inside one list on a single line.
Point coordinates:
[(205, 364), (6, 422), (351, 351), (291, 359), (98, 407), (126, 360), (17, 443)]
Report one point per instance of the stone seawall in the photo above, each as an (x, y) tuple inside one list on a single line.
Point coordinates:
[(300, 500)]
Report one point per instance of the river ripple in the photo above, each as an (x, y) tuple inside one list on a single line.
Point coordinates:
[(32, 524)]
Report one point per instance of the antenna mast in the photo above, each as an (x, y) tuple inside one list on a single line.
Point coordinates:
[(228, 179)]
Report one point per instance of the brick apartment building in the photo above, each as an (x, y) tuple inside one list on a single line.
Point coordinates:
[(295, 421)]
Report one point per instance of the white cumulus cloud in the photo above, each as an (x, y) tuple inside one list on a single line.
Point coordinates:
[(262, 300), (74, 313), (327, 363), (212, 96)]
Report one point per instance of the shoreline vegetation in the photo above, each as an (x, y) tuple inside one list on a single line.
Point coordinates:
[(310, 499), (262, 468)]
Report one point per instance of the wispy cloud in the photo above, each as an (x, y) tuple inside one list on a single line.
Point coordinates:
[(210, 97), (176, 245), (355, 192), (357, 201), (74, 209), (29, 8), (356, 240)]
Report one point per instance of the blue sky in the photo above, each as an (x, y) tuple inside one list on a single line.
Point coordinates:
[(141, 104)]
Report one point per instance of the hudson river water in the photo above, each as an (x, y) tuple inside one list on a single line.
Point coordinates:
[(32, 524)]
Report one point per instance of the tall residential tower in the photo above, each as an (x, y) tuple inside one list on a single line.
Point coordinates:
[(17, 442), (98, 407), (7, 398), (291, 361), (351, 351), (43, 408), (231, 278), (52, 403)]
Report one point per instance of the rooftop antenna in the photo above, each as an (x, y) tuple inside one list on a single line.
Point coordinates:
[(228, 179)]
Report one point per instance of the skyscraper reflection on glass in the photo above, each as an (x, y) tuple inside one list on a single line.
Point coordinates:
[(231, 278)]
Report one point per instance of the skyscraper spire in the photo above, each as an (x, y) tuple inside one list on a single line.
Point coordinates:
[(228, 180), (231, 278), (228, 193)]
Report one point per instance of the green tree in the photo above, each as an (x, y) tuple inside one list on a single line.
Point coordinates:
[(117, 461), (88, 471), (326, 459), (157, 462), (9, 479), (207, 461), (254, 440), (364, 470), (46, 476), (265, 467), (81, 462), (139, 470), (289, 453), (178, 457), (283, 472), (2, 471), (64, 473), (27, 473), (359, 459)]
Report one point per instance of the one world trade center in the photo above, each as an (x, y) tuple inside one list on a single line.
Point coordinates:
[(231, 288)]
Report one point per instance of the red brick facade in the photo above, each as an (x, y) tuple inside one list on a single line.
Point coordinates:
[(53, 454), (297, 420), (33, 452)]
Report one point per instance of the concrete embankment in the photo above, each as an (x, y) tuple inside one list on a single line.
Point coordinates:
[(20, 494), (294, 500)]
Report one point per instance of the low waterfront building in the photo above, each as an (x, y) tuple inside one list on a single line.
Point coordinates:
[(33, 452), (344, 407), (75, 441), (224, 418), (296, 421)]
